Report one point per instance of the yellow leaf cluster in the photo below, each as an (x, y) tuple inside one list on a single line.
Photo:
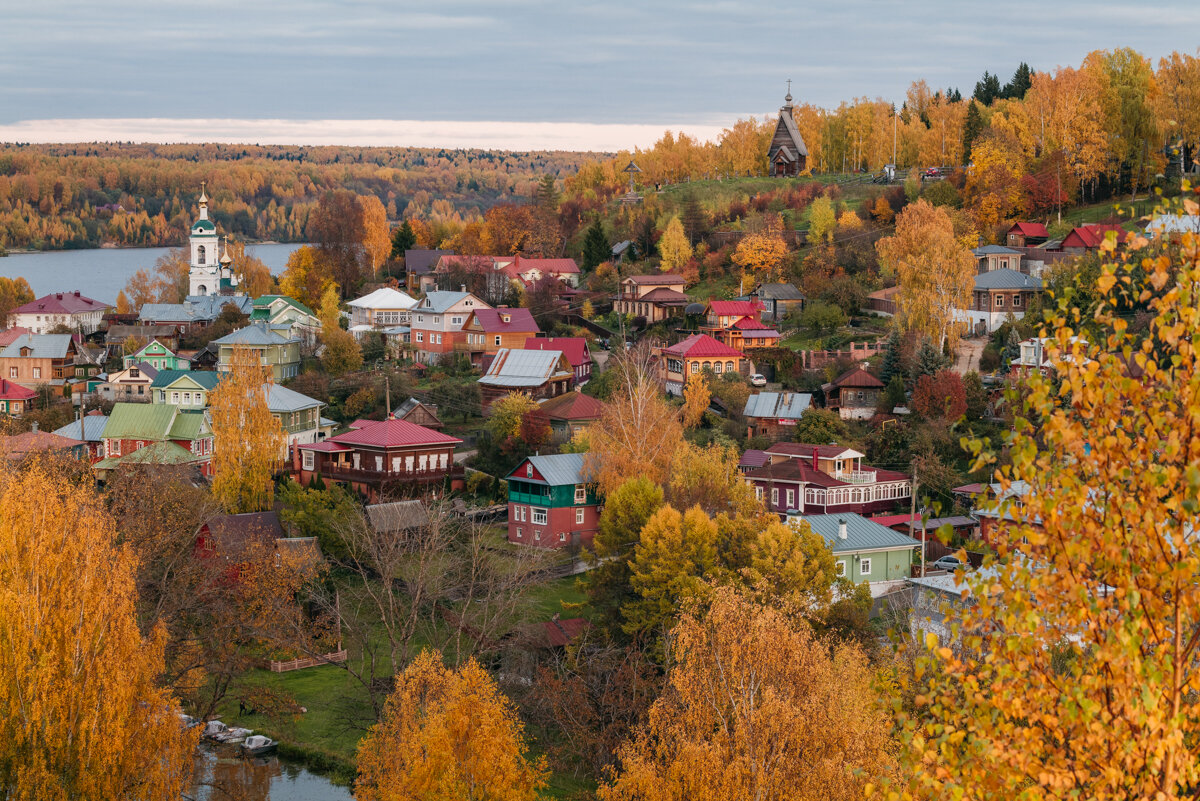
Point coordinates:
[(248, 441)]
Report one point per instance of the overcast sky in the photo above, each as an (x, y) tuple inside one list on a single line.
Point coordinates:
[(640, 63)]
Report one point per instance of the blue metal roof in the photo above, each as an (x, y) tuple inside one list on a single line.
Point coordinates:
[(785, 405), (557, 469), (861, 534)]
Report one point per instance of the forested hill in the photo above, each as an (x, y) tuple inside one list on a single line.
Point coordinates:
[(87, 195)]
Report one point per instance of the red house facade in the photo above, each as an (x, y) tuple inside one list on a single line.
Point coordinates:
[(550, 504), (825, 479)]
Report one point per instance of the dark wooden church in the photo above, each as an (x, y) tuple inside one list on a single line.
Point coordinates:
[(787, 155)]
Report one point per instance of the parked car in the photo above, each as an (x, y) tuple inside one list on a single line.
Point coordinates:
[(948, 562), (933, 172), (758, 380)]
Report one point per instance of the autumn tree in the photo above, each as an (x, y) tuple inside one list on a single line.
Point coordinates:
[(306, 278), (696, 397), (377, 241), (674, 247), (1129, 98), (337, 226), (940, 397), (822, 220), (1178, 109), (761, 256), (14, 292), (708, 477), (256, 278), (447, 735), (756, 706), (123, 304), (78, 678), (675, 555), (817, 426), (342, 353), (935, 272), (1084, 632), (248, 441), (626, 510), (506, 414), (638, 431)]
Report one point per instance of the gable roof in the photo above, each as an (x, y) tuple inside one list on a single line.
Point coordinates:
[(391, 434), (753, 458), (420, 261), (397, 515), (205, 379), (573, 406), (44, 346), (789, 125), (88, 428), (519, 320), (1005, 278), (60, 303), (861, 534), (8, 335), (262, 306), (857, 377), (1029, 229), (255, 335), (517, 367), (804, 450), (665, 296), (283, 400), (556, 469), (740, 308), (546, 266), (778, 292), (245, 526), (700, 346), (782, 405), (144, 371), (13, 391), (439, 302), (153, 421), (663, 278), (384, 298), (574, 348), (796, 471), (21, 445)]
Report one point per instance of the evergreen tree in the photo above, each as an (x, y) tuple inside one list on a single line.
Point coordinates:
[(987, 90), (891, 358), (595, 246), (929, 360), (1021, 81), (893, 394), (403, 240), (547, 194), (953, 95), (1012, 348), (971, 129), (694, 220)]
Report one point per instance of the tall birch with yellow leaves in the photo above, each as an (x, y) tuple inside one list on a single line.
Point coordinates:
[(248, 441)]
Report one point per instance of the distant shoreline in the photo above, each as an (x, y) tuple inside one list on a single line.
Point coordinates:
[(111, 246)]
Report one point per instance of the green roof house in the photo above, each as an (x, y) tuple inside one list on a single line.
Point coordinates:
[(863, 550), (283, 313), (158, 356), (187, 388), (280, 354), (134, 426)]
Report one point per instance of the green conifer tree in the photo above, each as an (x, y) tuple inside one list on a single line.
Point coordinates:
[(595, 246)]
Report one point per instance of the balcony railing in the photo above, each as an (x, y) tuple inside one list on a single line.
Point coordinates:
[(855, 476), (338, 472)]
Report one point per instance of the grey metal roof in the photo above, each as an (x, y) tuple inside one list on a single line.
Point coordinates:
[(779, 292), (1006, 279), (282, 399), (439, 302), (999, 250), (557, 469), (254, 334), (45, 346), (787, 405), (92, 425), (517, 367), (397, 516), (861, 534)]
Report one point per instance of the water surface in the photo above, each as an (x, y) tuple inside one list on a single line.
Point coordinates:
[(222, 775)]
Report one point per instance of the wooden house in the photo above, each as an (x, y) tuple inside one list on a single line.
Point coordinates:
[(489, 330), (35, 359), (571, 413), (651, 297), (422, 414), (551, 504), (824, 479), (695, 354), (574, 348), (540, 374), (854, 395), (864, 552), (15, 399), (774, 414), (787, 155)]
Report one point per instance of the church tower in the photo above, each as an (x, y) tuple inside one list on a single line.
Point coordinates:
[(788, 155), (210, 271)]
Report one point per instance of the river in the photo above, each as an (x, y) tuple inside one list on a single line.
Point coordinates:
[(101, 273), (222, 775)]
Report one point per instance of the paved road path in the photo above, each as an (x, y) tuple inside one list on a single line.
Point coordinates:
[(969, 351)]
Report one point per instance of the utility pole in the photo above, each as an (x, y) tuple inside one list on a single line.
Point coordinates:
[(895, 118), (913, 513)]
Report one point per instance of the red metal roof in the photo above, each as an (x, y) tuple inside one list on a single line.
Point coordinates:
[(547, 266), (60, 303), (663, 295), (805, 450), (393, 434), (728, 308), (573, 406), (11, 391), (9, 336), (325, 446), (751, 323), (664, 278), (1029, 229), (894, 520), (700, 346), (519, 320), (574, 348)]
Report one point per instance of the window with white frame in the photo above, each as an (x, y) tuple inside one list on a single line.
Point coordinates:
[(518, 532), (12, 372), (999, 301), (841, 568), (537, 536), (579, 516), (539, 516), (775, 496), (497, 339), (455, 321), (1016, 300), (420, 336), (791, 499), (580, 493), (864, 567), (529, 470), (174, 397), (37, 372), (758, 493), (308, 460)]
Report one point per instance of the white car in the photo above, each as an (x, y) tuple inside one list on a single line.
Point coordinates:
[(758, 380), (950, 563)]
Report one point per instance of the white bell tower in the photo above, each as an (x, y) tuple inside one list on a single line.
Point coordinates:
[(204, 274)]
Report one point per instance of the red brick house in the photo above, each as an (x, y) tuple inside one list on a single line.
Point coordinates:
[(854, 395), (550, 504), (826, 479), (695, 354), (574, 348), (383, 457)]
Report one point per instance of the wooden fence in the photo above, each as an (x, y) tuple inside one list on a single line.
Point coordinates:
[(306, 662), (815, 359)]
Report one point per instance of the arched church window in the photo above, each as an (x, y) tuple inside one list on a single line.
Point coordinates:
[(200, 254)]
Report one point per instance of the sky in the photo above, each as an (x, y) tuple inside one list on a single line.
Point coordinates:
[(519, 74)]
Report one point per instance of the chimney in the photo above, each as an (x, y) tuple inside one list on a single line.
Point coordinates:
[(76, 293), (462, 287), (841, 529), (816, 466), (35, 427)]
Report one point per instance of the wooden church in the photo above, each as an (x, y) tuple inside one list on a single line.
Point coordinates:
[(788, 157)]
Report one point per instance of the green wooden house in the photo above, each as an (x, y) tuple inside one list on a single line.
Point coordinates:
[(186, 388), (281, 310), (551, 504), (278, 353), (158, 356), (863, 550)]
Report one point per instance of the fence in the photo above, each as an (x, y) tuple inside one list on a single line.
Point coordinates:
[(815, 359), (306, 662)]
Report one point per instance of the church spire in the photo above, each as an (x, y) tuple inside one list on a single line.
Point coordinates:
[(203, 201), (787, 99)]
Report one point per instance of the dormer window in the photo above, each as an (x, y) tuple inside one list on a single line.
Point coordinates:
[(507, 318)]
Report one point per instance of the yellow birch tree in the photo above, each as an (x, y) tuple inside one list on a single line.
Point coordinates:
[(248, 441), (80, 714), (674, 247), (377, 240)]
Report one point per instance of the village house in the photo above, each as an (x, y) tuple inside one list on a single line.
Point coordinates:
[(551, 504), (538, 373), (384, 458), (695, 354), (288, 316), (88, 429), (383, 308), (19, 447), (787, 155), (76, 312), (131, 385), (777, 300), (298, 415), (997, 296), (774, 414), (15, 399), (457, 271), (422, 414), (158, 356), (996, 257), (825, 479), (180, 436), (278, 353), (530, 271), (998, 506), (398, 519), (418, 269), (117, 335), (571, 413), (489, 330), (574, 348), (36, 359), (864, 551), (750, 333), (723, 316), (188, 388), (437, 324), (1085, 238), (854, 395), (1026, 234), (651, 297), (194, 313)]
